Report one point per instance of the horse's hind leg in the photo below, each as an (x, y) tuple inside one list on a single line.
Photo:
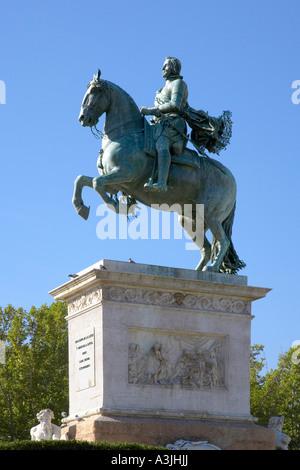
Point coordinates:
[(205, 251), (222, 244), (200, 240)]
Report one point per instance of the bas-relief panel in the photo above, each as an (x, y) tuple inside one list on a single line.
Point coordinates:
[(184, 360)]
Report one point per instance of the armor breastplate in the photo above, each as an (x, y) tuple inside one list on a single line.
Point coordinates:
[(174, 92)]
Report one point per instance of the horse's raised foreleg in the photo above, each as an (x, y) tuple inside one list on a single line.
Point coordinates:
[(112, 179), (79, 183)]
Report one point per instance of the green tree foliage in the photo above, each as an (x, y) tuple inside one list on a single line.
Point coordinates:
[(277, 392), (35, 373)]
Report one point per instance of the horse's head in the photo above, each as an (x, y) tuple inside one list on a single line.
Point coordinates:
[(95, 102)]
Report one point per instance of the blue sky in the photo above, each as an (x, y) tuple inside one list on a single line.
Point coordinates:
[(241, 56)]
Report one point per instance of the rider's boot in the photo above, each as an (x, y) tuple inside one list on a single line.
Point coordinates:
[(164, 161)]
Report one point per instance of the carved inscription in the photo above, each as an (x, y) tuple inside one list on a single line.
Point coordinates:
[(184, 360), (85, 359)]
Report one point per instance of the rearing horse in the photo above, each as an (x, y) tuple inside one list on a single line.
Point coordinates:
[(126, 167)]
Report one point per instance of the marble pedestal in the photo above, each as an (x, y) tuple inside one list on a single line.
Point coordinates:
[(158, 354)]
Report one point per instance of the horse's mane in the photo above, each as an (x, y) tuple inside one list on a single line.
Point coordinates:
[(116, 88)]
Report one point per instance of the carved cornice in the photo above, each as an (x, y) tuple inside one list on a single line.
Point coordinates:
[(136, 276)]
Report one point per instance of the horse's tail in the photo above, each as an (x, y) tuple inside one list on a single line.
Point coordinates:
[(231, 262)]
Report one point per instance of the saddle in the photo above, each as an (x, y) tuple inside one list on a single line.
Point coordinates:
[(188, 157)]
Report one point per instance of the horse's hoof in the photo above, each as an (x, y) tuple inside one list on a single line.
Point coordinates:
[(199, 267), (83, 211)]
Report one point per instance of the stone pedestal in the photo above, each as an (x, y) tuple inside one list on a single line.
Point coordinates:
[(158, 354)]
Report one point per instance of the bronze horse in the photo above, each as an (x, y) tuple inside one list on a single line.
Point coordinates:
[(125, 167)]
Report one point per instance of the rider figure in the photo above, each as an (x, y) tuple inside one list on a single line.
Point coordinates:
[(169, 100)]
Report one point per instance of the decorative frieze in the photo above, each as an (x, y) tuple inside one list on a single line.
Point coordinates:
[(177, 360), (177, 300), (84, 301)]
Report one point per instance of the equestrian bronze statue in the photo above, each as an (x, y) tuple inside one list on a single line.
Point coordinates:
[(150, 162)]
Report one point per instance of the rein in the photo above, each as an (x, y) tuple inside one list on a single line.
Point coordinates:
[(98, 134), (124, 129)]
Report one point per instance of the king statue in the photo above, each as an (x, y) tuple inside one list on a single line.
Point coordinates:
[(170, 127)]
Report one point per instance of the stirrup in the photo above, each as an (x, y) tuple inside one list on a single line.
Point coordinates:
[(149, 185), (158, 187)]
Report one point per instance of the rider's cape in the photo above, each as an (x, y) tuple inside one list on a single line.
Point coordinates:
[(208, 132)]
